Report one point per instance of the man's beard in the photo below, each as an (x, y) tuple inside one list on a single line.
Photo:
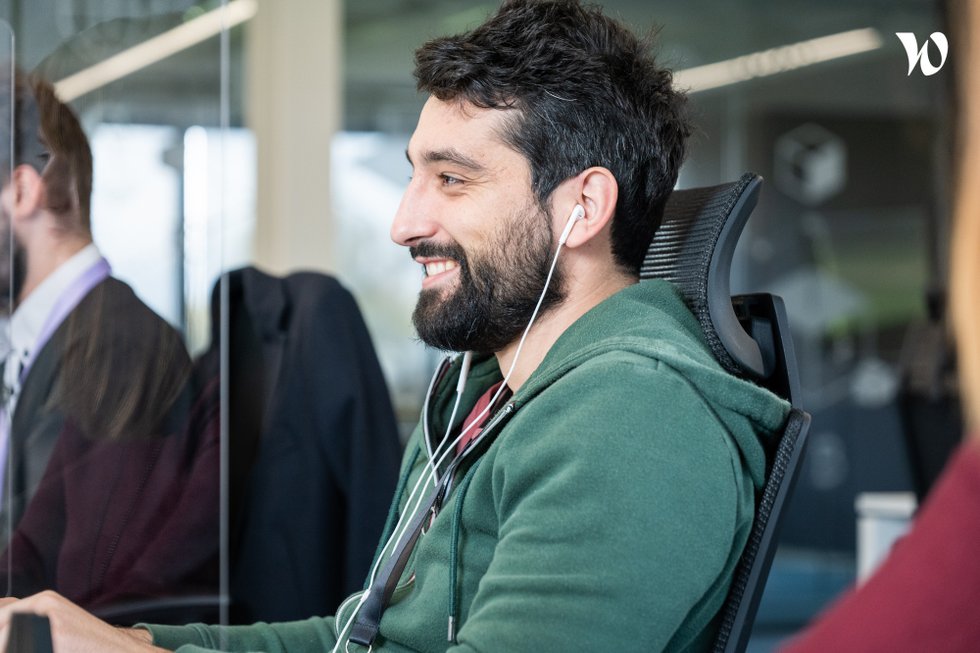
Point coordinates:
[(496, 289)]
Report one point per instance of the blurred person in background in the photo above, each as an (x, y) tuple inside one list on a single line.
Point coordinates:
[(97, 439)]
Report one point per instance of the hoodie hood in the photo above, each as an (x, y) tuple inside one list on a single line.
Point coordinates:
[(650, 319)]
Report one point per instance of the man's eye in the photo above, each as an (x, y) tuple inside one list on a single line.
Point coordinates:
[(449, 180)]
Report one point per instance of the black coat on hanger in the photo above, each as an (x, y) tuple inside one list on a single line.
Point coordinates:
[(314, 447)]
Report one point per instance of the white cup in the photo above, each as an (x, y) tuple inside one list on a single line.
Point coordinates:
[(882, 518)]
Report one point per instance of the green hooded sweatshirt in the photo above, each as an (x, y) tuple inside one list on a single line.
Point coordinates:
[(607, 512)]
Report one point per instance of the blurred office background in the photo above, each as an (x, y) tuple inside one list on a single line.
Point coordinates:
[(272, 132)]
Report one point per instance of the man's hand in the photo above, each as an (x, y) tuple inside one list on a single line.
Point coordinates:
[(73, 630)]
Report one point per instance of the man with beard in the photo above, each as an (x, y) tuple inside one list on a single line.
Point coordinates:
[(91, 382), (599, 491)]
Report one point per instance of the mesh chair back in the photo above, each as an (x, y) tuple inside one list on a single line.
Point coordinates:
[(749, 336), (693, 249)]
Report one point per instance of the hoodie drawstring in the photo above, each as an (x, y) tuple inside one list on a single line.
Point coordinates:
[(454, 549)]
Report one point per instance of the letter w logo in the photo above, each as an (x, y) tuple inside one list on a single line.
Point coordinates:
[(921, 56)]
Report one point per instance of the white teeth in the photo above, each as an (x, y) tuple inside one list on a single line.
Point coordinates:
[(438, 267)]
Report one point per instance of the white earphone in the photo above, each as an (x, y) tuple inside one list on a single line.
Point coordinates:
[(577, 214)]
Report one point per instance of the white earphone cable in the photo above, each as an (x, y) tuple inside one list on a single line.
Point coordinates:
[(399, 529)]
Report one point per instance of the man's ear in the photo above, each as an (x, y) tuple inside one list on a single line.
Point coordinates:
[(28, 191), (596, 190)]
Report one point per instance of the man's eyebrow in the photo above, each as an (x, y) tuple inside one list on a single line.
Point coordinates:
[(450, 155)]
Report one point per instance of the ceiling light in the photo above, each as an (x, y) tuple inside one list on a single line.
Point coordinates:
[(155, 49), (777, 60)]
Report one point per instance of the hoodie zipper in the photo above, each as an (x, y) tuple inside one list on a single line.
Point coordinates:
[(455, 526)]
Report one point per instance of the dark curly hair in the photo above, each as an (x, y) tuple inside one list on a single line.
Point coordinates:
[(585, 92)]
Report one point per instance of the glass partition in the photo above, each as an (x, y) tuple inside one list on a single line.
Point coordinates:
[(123, 136), (9, 264)]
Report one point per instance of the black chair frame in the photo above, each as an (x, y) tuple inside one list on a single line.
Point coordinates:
[(750, 337)]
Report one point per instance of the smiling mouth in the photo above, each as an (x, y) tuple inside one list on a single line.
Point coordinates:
[(438, 271), (434, 268)]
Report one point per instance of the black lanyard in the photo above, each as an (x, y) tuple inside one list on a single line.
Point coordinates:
[(368, 620)]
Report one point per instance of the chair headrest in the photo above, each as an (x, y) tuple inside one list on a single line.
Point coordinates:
[(693, 249)]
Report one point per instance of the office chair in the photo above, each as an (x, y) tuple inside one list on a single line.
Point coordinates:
[(749, 336)]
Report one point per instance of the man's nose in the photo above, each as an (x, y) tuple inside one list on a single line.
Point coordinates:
[(413, 219)]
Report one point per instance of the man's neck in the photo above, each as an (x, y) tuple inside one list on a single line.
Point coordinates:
[(42, 261), (548, 328)]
